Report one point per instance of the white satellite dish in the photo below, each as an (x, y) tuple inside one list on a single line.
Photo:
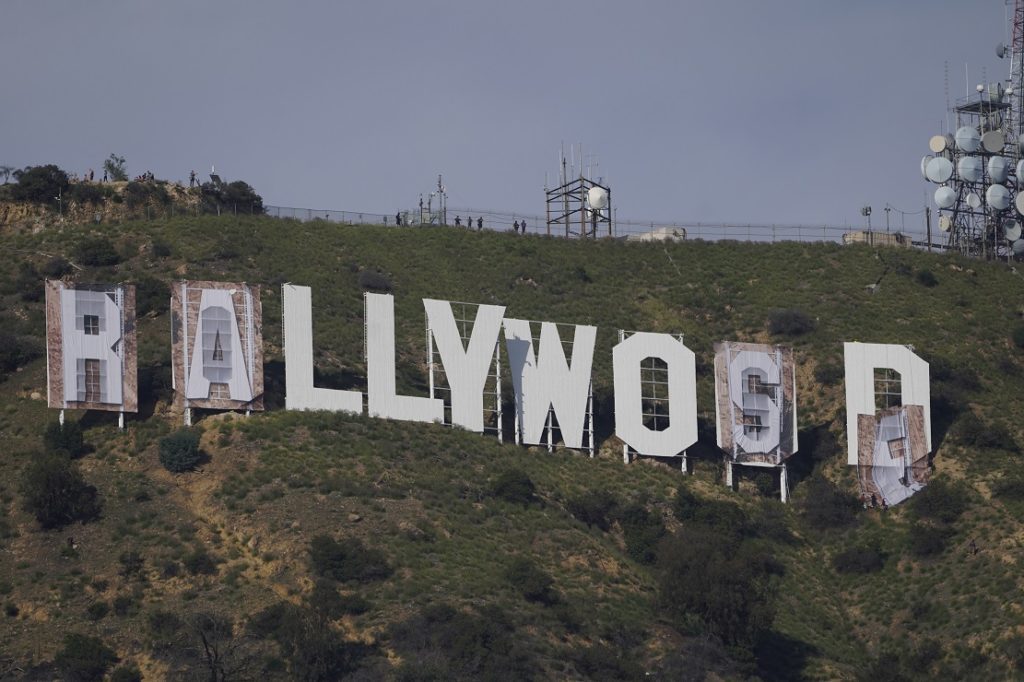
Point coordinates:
[(973, 200), (938, 143), (1019, 202), (945, 197), (968, 139), (993, 141), (998, 197), (1012, 231), (939, 169), (969, 168), (1018, 247), (945, 224), (597, 197), (998, 168), (924, 165)]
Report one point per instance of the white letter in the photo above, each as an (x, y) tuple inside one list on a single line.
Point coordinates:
[(547, 380), (217, 352), (300, 394), (91, 346), (682, 390), (465, 368), (380, 364), (862, 359)]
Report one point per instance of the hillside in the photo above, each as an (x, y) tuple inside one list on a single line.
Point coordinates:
[(222, 555)]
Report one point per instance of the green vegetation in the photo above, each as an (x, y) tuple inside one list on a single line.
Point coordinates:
[(316, 545), (179, 452)]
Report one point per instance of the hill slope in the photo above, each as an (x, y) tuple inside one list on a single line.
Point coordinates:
[(225, 552)]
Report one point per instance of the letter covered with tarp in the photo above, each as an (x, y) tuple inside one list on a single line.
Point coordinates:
[(217, 345), (91, 352), (755, 401)]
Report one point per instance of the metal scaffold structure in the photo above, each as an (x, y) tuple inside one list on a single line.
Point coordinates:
[(579, 206)]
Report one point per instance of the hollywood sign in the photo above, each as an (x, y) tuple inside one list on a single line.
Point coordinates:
[(217, 363)]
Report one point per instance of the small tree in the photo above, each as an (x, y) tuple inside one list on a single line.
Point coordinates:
[(179, 451), (530, 580), (514, 485), (55, 492), (6, 171), (96, 251), (84, 658), (115, 168), (40, 184), (347, 559), (66, 437)]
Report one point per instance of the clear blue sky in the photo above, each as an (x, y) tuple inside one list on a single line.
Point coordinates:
[(792, 111)]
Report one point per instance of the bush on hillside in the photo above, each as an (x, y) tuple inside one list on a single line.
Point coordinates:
[(724, 583), (16, 352), (829, 373), (179, 452), (531, 581), (140, 193), (64, 438), (28, 283), (151, 296), (347, 560), (371, 280), (642, 530), (40, 184), (55, 268), (927, 278), (232, 197), (54, 491), (973, 432), (941, 500), (824, 505), (926, 541), (789, 322), (858, 559), (127, 673), (96, 252), (84, 658), (515, 486), (594, 508), (114, 165), (88, 193), (441, 643)]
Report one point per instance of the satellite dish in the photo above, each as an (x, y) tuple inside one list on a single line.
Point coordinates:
[(993, 141), (969, 168), (1000, 50), (973, 200), (945, 224), (1012, 231), (999, 168), (945, 197), (1018, 247), (968, 139), (937, 143), (1019, 202), (924, 165), (597, 197), (998, 197), (939, 169), (1020, 172)]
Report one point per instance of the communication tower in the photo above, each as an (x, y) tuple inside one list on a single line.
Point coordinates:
[(978, 168), (578, 206)]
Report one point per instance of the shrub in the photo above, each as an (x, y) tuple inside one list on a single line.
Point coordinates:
[(132, 565), (326, 600), (723, 582), (87, 193), (926, 541), (84, 658), (641, 531), (96, 252), (594, 508), (514, 485), (685, 504), (829, 373), (927, 278), (370, 280), (1009, 488), (97, 610), (161, 249), (55, 268), (28, 282), (124, 605), (858, 559), (151, 296), (347, 559), (530, 580), (164, 629), (789, 322), (972, 431), (55, 492), (765, 484), (179, 451), (444, 644), (40, 184), (200, 562), (1018, 336), (313, 649), (941, 501), (136, 193), (127, 673), (826, 506), (16, 352), (66, 438)]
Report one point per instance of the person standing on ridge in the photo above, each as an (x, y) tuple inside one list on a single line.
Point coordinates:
[(479, 224), (458, 221), (515, 226)]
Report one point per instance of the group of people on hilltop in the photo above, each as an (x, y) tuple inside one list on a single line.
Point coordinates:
[(469, 222), (148, 175)]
